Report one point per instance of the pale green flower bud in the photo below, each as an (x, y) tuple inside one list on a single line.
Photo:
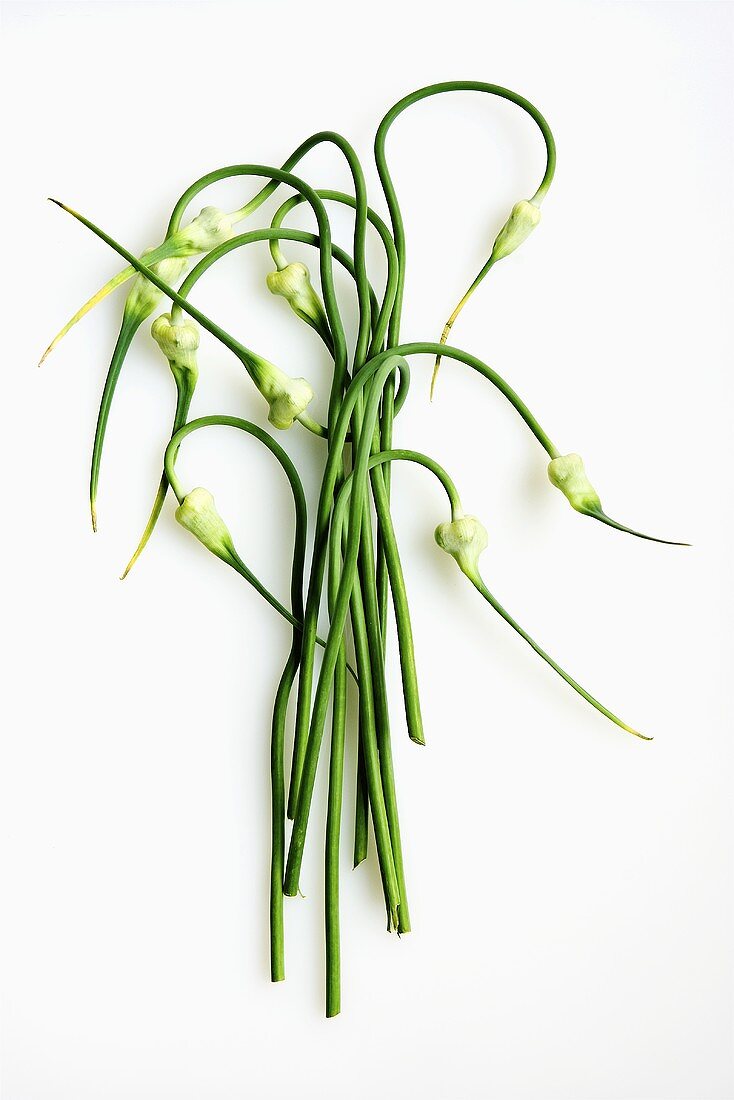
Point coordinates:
[(211, 227), (567, 473), (179, 344), (464, 538), (293, 283), (288, 402), (143, 296), (286, 396), (198, 514), (518, 227)]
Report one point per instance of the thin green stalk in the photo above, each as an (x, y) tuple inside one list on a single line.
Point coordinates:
[(361, 831), (325, 252), (386, 179), (481, 587), (379, 323), (295, 617), (382, 715), (399, 352), (184, 395), (305, 790), (130, 325), (239, 566), (396, 218), (333, 814), (192, 278), (368, 727), (167, 247), (333, 830)]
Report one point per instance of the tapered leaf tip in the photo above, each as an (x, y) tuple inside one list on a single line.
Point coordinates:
[(599, 514), (636, 733)]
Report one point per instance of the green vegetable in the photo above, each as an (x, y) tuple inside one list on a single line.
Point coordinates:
[(355, 562)]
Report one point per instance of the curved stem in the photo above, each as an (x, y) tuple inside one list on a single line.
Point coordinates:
[(481, 587), (386, 179), (167, 246), (291, 473), (450, 323), (130, 325), (598, 513), (325, 252), (184, 395), (432, 348)]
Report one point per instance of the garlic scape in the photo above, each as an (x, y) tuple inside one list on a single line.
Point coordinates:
[(464, 538), (567, 473), (211, 227), (351, 543), (179, 342), (523, 219), (198, 514), (142, 299), (293, 282)]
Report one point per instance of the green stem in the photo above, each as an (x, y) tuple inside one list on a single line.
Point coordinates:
[(481, 587), (184, 395), (295, 482), (386, 179), (333, 814), (361, 831), (308, 775), (130, 325)]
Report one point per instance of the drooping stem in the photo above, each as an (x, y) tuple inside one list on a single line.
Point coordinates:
[(130, 325), (481, 587)]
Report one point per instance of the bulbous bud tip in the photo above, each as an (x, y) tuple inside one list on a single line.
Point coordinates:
[(288, 404), (567, 473), (198, 514), (210, 227), (464, 538), (172, 339), (522, 221), (179, 344), (290, 281), (293, 282), (286, 396)]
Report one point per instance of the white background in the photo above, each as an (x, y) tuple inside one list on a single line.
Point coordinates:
[(570, 885)]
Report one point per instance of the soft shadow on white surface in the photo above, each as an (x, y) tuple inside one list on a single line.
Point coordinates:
[(570, 887)]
